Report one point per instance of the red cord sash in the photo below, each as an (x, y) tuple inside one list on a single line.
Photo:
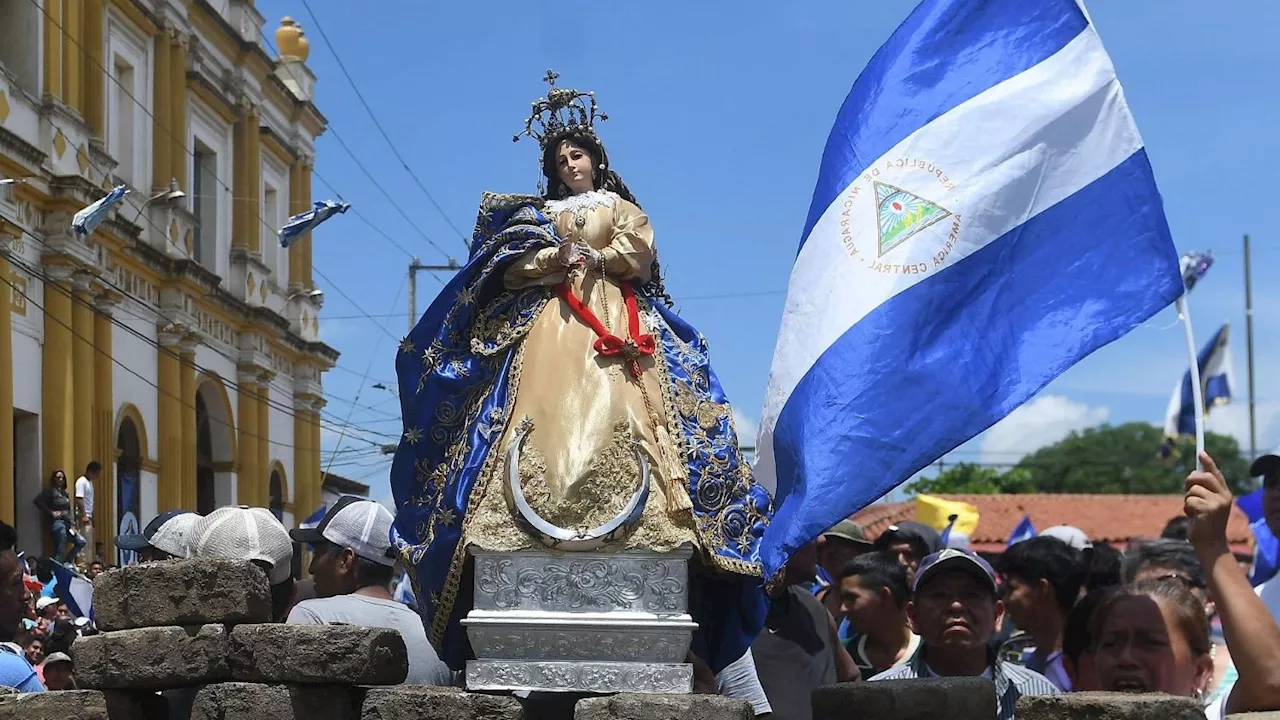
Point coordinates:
[(607, 344)]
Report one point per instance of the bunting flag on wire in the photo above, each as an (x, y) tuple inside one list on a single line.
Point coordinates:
[(985, 216), (303, 223), (89, 218)]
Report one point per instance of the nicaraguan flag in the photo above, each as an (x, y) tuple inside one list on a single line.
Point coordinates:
[(1024, 530), (314, 518), (985, 216), (307, 221), (89, 218), (1216, 380), (1266, 547), (74, 589)]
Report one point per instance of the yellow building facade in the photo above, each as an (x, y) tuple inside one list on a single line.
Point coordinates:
[(178, 345)]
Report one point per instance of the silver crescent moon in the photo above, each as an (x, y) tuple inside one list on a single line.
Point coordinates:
[(559, 538)]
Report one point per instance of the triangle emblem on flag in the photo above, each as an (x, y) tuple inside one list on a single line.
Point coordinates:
[(903, 215)]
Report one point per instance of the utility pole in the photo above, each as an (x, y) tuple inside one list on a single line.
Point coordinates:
[(414, 266), (1248, 332)]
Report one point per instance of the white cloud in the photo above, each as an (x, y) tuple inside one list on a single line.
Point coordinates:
[(1043, 421), (747, 428), (1233, 420)]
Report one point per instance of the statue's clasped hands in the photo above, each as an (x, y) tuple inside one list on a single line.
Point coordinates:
[(575, 254)]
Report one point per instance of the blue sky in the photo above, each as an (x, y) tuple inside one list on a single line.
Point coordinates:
[(719, 112)]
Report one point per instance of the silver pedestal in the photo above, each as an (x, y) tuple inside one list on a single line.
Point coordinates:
[(581, 622)]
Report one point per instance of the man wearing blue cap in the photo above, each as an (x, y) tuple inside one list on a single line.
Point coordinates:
[(954, 608)]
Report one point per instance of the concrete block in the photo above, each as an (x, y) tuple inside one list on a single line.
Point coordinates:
[(1109, 706), (954, 698), (247, 701), (63, 705), (317, 654), (140, 705), (664, 707), (421, 702), (152, 658), (181, 592), (1266, 715)]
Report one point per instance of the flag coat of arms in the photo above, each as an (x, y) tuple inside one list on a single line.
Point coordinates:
[(984, 217)]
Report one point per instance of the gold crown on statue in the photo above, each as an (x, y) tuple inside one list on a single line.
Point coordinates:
[(562, 112)]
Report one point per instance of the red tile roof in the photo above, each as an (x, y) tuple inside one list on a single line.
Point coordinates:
[(1115, 519)]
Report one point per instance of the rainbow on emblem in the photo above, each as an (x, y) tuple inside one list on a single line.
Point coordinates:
[(903, 215)]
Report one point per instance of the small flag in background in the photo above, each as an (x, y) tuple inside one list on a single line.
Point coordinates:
[(74, 589), (1194, 265), (1266, 547), (1024, 530), (314, 518), (89, 218), (985, 216), (1216, 378), (306, 222)]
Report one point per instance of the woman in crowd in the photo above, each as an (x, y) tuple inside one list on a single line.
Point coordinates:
[(1153, 635), (54, 503)]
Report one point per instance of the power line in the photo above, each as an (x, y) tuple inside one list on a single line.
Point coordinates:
[(315, 20), (372, 179), (39, 274), (360, 387), (191, 153)]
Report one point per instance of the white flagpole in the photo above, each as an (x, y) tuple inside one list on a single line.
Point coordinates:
[(1197, 392)]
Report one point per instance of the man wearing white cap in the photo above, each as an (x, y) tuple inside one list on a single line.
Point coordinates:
[(253, 534), (353, 564), (166, 536)]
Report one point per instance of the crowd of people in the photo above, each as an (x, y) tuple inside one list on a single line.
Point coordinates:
[(353, 570), (1053, 614)]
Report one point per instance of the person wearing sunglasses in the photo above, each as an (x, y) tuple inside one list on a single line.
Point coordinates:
[(1175, 561)]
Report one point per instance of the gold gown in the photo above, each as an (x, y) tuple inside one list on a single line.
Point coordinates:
[(578, 468)]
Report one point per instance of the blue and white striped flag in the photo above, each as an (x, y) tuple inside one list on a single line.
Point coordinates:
[(89, 218), (1215, 376), (1024, 530), (314, 518), (74, 589), (306, 222), (985, 216)]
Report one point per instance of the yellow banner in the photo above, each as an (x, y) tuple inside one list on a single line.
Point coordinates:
[(934, 512)]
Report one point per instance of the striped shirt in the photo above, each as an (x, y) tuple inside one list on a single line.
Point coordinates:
[(1011, 681)]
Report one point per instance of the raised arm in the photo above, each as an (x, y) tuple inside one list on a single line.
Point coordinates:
[(1252, 634)]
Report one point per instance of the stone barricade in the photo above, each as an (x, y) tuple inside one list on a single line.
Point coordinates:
[(953, 698), (1109, 706), (181, 592), (199, 630)]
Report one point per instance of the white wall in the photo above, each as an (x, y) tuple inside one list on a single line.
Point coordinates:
[(124, 42), (135, 375), (276, 175), (212, 132)]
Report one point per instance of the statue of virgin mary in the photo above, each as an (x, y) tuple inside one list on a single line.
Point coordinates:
[(558, 340)]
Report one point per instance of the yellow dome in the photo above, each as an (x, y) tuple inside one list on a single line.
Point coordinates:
[(291, 41)]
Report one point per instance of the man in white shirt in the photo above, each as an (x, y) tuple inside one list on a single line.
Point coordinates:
[(1268, 467), (84, 504), (353, 565)]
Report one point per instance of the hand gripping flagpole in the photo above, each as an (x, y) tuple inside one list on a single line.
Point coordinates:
[(1194, 266)]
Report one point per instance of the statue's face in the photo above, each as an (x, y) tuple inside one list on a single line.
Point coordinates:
[(573, 164)]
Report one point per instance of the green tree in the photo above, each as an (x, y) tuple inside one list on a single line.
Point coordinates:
[(971, 478), (1126, 459), (1106, 459)]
